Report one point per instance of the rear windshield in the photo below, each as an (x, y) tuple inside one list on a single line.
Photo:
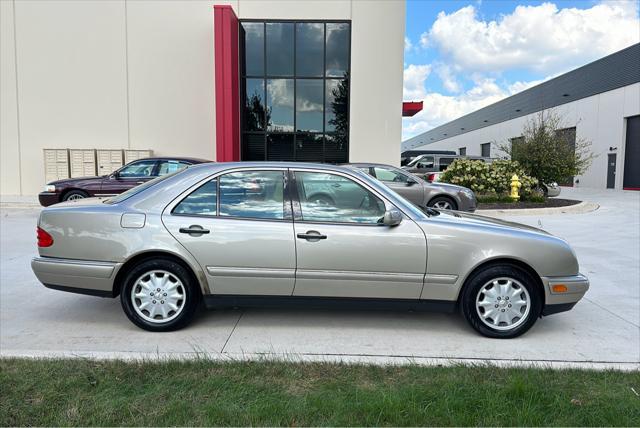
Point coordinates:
[(141, 188)]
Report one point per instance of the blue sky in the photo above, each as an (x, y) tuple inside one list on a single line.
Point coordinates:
[(462, 55)]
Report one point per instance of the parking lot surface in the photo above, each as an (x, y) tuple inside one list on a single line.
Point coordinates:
[(603, 330)]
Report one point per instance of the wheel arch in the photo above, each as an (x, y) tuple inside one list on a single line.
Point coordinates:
[(504, 261), (446, 196), (154, 254)]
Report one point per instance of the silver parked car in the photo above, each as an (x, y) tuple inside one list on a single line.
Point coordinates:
[(421, 193), (240, 234)]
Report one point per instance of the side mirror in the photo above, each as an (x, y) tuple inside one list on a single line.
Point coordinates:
[(114, 175), (392, 217), (411, 182)]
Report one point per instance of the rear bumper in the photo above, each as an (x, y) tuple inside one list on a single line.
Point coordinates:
[(48, 198), (576, 285), (77, 276)]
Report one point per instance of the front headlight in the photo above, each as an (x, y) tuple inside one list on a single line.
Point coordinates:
[(50, 188)]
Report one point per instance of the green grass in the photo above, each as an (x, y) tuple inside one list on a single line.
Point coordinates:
[(82, 392)]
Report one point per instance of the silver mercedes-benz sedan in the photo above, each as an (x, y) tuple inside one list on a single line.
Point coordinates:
[(258, 234)]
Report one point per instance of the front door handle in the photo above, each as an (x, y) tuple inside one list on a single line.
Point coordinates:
[(194, 229), (311, 235)]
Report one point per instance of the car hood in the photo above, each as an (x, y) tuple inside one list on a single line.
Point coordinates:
[(446, 186), (484, 221), (77, 180)]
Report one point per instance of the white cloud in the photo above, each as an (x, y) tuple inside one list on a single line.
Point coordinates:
[(414, 79), (424, 39), (449, 80), (541, 38), (407, 44), (439, 108)]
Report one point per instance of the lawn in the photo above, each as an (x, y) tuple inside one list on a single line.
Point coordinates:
[(202, 392)]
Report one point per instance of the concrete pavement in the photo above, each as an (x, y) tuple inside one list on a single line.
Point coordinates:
[(602, 331)]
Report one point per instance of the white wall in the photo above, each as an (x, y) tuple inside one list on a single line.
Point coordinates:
[(599, 119), (139, 74)]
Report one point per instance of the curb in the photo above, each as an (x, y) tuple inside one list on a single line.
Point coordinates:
[(581, 208)]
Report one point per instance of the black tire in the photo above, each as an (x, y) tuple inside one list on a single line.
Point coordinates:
[(191, 290), (442, 199), (479, 279), (75, 194), (542, 190)]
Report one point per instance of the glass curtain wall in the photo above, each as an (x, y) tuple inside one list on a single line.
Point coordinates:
[(295, 90)]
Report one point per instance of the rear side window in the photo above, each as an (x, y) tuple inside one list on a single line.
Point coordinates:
[(202, 201), (252, 194), (445, 162)]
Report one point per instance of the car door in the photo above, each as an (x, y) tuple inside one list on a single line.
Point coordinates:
[(129, 176), (343, 250), (239, 227), (403, 184)]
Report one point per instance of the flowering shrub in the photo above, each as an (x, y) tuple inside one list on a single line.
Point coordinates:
[(488, 179)]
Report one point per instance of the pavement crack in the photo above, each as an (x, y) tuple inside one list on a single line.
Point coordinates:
[(232, 331), (612, 313)]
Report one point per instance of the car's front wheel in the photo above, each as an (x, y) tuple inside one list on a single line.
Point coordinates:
[(160, 295), (74, 195), (443, 203), (501, 301)]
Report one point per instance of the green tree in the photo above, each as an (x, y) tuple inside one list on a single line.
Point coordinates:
[(548, 150)]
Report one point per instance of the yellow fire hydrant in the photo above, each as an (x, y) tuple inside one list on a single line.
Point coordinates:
[(515, 185)]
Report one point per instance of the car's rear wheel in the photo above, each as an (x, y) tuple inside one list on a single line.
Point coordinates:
[(160, 295), (74, 195), (443, 203), (501, 301)]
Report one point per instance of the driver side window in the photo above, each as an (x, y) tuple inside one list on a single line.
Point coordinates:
[(426, 162), (139, 169), (330, 198)]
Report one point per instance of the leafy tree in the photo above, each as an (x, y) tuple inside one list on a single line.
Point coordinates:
[(548, 150), (340, 109)]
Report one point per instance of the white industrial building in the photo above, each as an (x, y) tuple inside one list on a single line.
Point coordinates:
[(195, 78), (601, 100)]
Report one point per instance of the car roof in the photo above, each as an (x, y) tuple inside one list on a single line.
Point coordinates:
[(269, 164), (175, 158)]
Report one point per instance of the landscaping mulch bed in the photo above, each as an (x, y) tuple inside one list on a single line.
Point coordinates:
[(548, 203)]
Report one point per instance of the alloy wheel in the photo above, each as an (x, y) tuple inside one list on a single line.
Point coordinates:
[(503, 303), (158, 296), (443, 205)]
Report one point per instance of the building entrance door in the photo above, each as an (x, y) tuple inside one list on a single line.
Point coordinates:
[(611, 171), (632, 155)]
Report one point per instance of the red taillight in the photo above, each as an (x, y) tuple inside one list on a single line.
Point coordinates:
[(431, 177), (44, 239)]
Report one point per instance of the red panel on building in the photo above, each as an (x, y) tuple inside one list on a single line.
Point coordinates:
[(411, 108), (225, 29)]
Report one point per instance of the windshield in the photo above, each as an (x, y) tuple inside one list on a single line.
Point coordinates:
[(418, 159), (141, 188)]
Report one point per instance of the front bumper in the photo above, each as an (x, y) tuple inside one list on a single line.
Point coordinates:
[(48, 198), (76, 276), (576, 287), (553, 191)]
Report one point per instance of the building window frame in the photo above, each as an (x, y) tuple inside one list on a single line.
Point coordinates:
[(298, 135)]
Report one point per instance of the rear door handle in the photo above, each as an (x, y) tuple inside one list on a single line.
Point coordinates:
[(311, 235), (194, 229)]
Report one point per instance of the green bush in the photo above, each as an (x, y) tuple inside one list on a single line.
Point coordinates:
[(489, 178)]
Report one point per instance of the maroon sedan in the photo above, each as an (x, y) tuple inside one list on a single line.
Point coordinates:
[(130, 175)]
